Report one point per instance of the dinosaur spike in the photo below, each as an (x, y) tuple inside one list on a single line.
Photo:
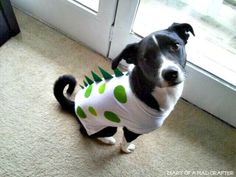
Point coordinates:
[(81, 86), (105, 74), (96, 77), (90, 82), (85, 84), (118, 73)]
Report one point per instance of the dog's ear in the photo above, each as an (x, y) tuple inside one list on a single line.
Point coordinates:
[(129, 54), (182, 30)]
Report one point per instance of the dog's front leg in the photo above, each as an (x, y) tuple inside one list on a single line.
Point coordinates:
[(126, 145)]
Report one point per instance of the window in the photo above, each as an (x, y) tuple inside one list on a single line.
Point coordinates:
[(214, 21)]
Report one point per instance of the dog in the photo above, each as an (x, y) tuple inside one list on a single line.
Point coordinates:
[(140, 100)]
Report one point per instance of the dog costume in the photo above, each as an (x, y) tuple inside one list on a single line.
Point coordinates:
[(109, 101)]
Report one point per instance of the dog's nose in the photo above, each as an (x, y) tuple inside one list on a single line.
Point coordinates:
[(170, 74)]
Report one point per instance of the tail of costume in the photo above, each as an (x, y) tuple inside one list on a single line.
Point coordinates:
[(58, 89)]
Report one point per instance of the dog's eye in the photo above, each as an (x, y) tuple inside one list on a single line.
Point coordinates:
[(175, 47)]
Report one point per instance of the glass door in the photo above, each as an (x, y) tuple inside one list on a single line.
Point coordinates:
[(87, 21), (211, 73), (214, 22)]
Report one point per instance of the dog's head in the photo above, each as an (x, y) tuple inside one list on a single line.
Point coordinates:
[(160, 56)]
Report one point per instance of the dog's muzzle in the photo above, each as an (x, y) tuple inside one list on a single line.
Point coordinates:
[(170, 74)]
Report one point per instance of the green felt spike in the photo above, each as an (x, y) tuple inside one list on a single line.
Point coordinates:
[(85, 84), (105, 74), (118, 73), (81, 86), (96, 77), (90, 82)]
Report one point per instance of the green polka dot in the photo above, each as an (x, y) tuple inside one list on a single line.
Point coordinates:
[(92, 110), (80, 112), (120, 94), (111, 116), (88, 91), (102, 88)]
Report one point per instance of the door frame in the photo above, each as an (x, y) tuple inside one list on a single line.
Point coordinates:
[(74, 20)]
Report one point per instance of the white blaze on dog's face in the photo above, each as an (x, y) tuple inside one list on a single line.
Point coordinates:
[(170, 72), (163, 59)]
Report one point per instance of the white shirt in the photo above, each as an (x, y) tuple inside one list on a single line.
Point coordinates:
[(100, 110)]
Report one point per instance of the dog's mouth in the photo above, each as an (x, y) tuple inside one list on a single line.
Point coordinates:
[(170, 83), (174, 83)]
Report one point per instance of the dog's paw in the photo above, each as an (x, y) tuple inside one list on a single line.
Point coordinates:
[(108, 140), (127, 148)]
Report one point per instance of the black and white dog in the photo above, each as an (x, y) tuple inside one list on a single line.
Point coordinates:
[(154, 85)]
